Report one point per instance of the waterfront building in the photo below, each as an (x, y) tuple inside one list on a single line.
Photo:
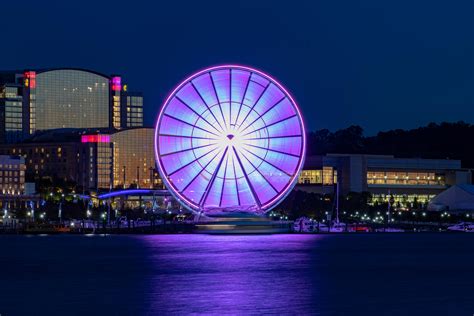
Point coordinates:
[(12, 175), (56, 156), (14, 191), (90, 159), (65, 98), (406, 180)]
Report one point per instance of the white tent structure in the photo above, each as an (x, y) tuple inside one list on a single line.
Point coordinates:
[(457, 198)]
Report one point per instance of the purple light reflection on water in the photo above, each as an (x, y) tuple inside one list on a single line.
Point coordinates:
[(362, 274), (232, 274), (342, 274)]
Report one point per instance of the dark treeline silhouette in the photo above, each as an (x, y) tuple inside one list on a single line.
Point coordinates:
[(440, 141)]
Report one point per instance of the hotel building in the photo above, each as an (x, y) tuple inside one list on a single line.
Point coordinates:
[(90, 159), (39, 100)]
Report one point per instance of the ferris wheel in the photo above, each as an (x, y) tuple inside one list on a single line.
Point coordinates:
[(229, 138)]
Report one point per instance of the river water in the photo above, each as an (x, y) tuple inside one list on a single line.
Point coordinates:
[(354, 274)]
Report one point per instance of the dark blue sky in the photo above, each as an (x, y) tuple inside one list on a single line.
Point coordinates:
[(378, 64)]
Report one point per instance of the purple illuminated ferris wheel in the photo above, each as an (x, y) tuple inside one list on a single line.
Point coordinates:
[(230, 138)]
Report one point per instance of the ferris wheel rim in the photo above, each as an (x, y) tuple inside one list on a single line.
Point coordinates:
[(280, 194)]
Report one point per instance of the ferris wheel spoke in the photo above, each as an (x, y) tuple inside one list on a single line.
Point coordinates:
[(230, 98), (200, 172), (252, 189), (225, 176), (271, 164), (207, 106), (274, 123), (260, 116), (186, 136), (218, 101), (242, 101), (213, 177), (258, 99), (274, 137), (192, 161), (192, 125), (258, 170), (199, 115), (273, 150), (187, 149), (236, 182)]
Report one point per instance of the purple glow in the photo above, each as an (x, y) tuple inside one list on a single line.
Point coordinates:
[(133, 192), (116, 83), (230, 138)]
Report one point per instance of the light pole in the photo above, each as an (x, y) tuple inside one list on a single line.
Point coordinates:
[(138, 177), (124, 177), (32, 205), (152, 180), (108, 212)]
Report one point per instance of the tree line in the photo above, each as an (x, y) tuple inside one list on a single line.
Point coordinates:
[(435, 140)]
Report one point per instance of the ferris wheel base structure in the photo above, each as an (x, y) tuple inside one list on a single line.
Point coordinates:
[(229, 139), (240, 223)]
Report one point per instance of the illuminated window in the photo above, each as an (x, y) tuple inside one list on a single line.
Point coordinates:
[(404, 178)]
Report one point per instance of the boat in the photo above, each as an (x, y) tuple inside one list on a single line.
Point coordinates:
[(240, 223), (462, 227), (389, 230), (303, 225), (338, 227)]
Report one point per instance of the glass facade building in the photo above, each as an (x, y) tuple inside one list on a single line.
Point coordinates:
[(11, 113), (69, 98), (133, 110), (134, 158), (65, 98)]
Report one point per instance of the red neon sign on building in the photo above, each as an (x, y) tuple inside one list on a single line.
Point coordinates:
[(30, 79), (95, 139)]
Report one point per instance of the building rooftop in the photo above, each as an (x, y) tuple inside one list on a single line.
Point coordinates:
[(467, 187)]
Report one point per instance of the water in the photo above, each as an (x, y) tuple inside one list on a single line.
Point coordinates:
[(363, 274)]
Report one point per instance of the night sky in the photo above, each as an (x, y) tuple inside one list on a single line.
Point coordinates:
[(378, 64)]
